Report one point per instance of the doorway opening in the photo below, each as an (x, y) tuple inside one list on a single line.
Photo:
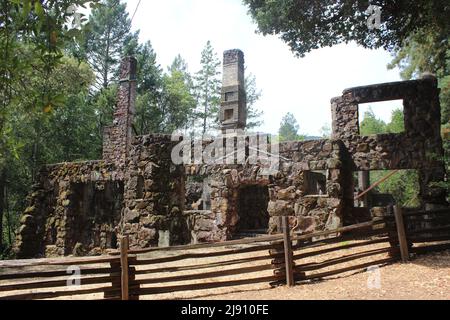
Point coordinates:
[(252, 203)]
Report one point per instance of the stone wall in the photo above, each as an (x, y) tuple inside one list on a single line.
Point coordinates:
[(74, 209), (287, 190), (419, 147), (154, 194)]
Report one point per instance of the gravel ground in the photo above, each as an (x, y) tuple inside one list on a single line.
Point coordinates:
[(425, 278)]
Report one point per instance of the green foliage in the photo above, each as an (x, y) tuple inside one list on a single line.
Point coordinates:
[(427, 51), (403, 185), (33, 87), (149, 90), (371, 124), (105, 39), (307, 25), (207, 84), (178, 102), (253, 94), (397, 124), (289, 129)]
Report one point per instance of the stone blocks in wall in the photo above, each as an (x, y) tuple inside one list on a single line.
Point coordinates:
[(418, 147), (154, 194), (117, 138), (203, 226), (60, 221)]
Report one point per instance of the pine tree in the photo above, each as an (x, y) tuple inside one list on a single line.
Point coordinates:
[(148, 117), (289, 128), (106, 35), (178, 103), (253, 94), (208, 88)]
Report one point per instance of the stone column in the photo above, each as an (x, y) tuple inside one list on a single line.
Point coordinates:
[(117, 138), (427, 118), (233, 107)]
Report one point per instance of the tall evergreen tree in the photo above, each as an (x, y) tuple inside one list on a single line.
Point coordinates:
[(208, 88), (105, 37), (254, 115), (148, 116), (289, 128), (178, 103)]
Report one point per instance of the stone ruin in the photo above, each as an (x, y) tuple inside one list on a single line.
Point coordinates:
[(137, 189)]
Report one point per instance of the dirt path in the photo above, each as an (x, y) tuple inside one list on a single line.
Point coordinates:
[(426, 277)]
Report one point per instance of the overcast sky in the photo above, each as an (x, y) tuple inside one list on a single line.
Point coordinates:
[(303, 86)]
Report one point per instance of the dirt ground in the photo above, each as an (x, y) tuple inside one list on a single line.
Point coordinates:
[(425, 278)]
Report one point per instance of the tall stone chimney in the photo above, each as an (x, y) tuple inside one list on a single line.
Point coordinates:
[(117, 138), (233, 107)]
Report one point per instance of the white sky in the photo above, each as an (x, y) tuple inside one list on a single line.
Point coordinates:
[(288, 84)]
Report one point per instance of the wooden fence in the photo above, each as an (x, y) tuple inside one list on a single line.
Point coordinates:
[(274, 259), (55, 278)]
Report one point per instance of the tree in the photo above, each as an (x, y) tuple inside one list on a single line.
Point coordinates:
[(371, 124), (148, 116), (403, 185), (253, 94), (308, 25), (289, 129), (178, 102), (207, 85), (423, 52), (105, 38), (325, 131), (397, 124), (57, 133), (33, 35)]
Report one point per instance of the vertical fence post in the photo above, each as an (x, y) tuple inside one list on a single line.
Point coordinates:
[(287, 252), (400, 225), (124, 242)]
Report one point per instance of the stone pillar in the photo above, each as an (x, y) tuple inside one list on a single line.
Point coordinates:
[(428, 120), (233, 107), (117, 138), (363, 185)]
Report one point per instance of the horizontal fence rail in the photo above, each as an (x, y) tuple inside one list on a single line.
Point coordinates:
[(281, 259), (65, 277)]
